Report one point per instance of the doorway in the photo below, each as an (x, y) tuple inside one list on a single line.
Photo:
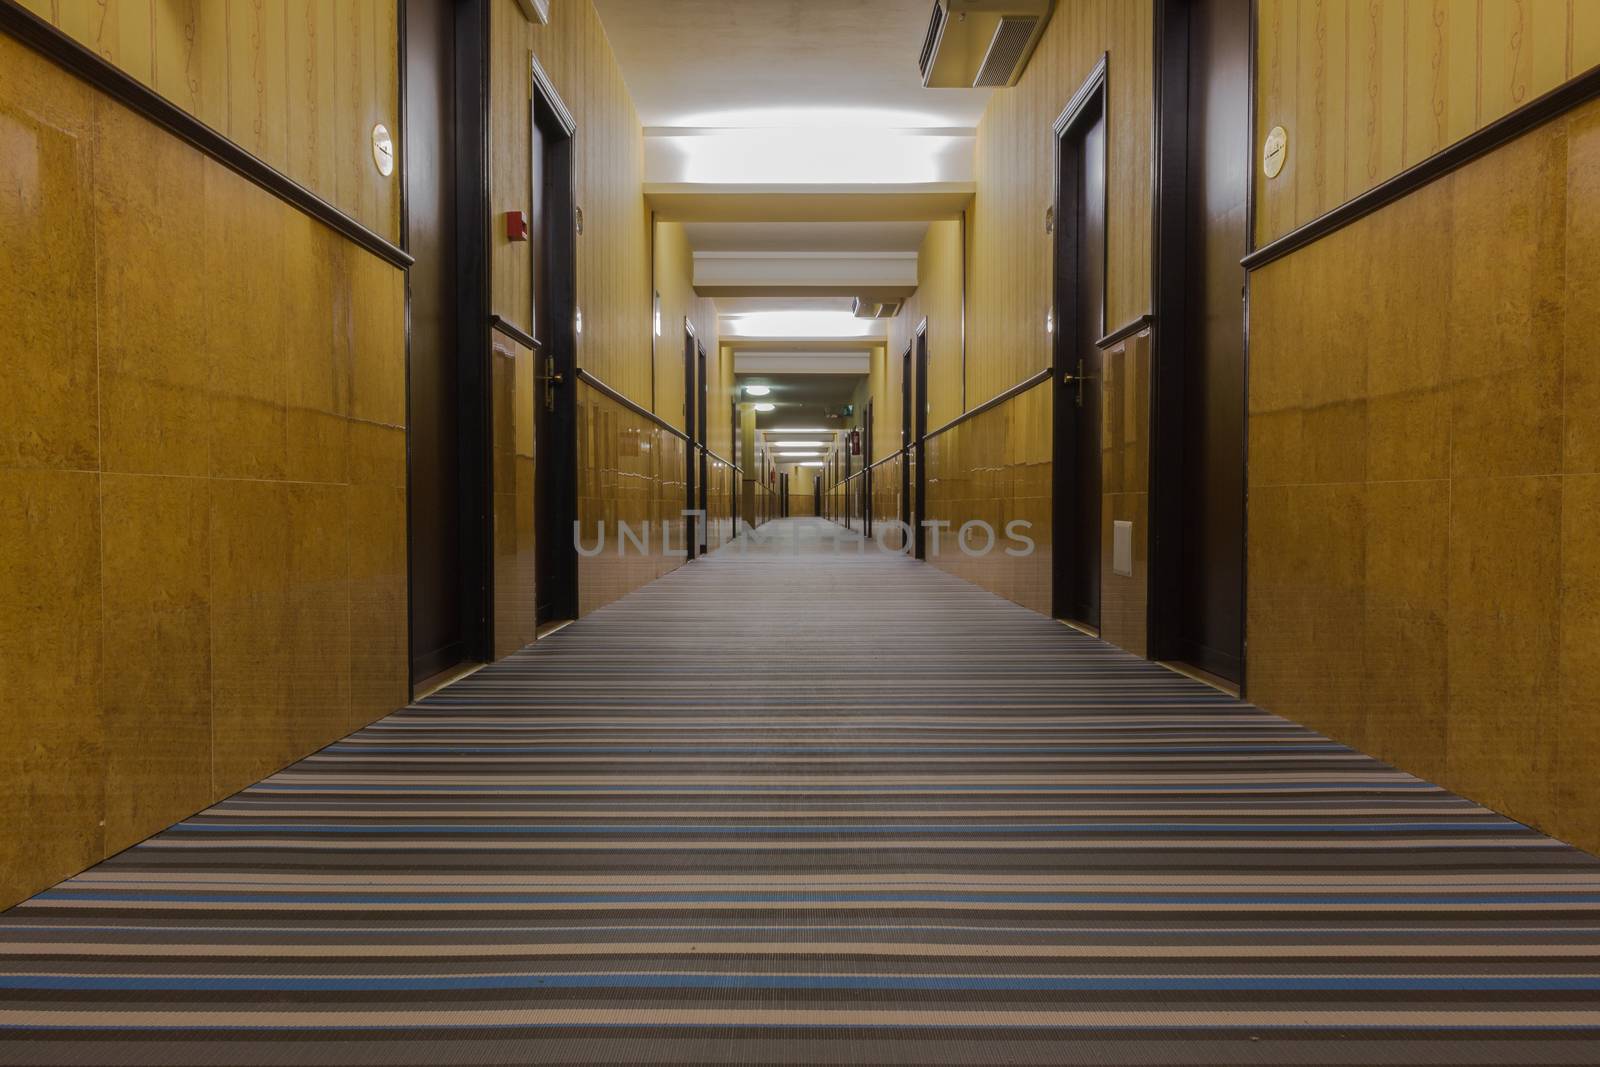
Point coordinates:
[(1198, 441), (691, 406), (1079, 322), (701, 442), (914, 392), (552, 228), (445, 457)]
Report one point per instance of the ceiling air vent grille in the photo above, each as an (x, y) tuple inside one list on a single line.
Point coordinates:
[(932, 43), (1006, 51)]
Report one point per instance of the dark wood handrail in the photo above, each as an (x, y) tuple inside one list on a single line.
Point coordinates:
[(611, 394), (75, 59), (993, 402)]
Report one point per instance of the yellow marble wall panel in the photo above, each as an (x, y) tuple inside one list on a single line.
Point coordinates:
[(630, 471), (1581, 445), (1503, 629), (52, 749), (1367, 88), (319, 372), (1125, 491), (157, 642), (155, 377), (1505, 350), (938, 299), (47, 346), (1577, 730), (1407, 594), (511, 406), (242, 288), (380, 668), (995, 468), (249, 619), (1431, 604)]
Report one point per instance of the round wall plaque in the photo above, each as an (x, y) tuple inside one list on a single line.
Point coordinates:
[(1275, 152), (382, 150)]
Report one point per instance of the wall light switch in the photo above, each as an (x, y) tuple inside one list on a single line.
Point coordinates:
[(1122, 548)]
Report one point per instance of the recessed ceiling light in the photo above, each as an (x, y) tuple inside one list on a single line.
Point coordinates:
[(791, 429), (802, 444), (799, 453), (757, 390), (766, 407), (814, 463)]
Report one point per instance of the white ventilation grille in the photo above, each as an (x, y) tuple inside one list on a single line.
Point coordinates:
[(931, 45), (1006, 49)]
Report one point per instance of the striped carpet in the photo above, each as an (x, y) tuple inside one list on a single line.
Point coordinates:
[(792, 806)]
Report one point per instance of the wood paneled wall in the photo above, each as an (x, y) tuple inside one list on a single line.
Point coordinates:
[(202, 479), (1367, 88), (938, 299), (1424, 481), (298, 83), (1009, 252), (674, 279), (613, 289), (615, 294)]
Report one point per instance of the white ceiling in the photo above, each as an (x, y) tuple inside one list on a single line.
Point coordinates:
[(806, 236), (691, 62)]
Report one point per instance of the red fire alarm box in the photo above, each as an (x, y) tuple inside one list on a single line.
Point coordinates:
[(516, 226)]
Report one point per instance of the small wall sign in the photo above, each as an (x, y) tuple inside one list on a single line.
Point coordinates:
[(1275, 152)]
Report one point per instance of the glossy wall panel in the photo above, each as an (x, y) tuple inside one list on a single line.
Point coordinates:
[(631, 495), (995, 468), (298, 83), (1421, 514), (1367, 89), (202, 480), (1125, 492), (512, 397)]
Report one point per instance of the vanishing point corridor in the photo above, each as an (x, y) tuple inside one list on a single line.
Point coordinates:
[(980, 838)]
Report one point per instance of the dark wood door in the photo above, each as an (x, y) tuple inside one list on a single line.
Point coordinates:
[(919, 434), (702, 437), (906, 439), (1080, 256), (552, 232), (1199, 453), (691, 497), (438, 634)]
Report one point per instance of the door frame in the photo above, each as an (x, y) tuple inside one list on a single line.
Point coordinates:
[(691, 532), (556, 454), (1169, 299), (703, 438), (919, 430), (1092, 97)]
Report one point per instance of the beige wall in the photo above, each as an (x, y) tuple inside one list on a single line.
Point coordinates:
[(298, 83), (202, 480), (1366, 89), (1424, 562)]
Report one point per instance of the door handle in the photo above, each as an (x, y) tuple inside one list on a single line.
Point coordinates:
[(554, 377), (1078, 379)]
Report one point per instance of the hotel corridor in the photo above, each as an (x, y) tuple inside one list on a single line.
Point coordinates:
[(805, 802)]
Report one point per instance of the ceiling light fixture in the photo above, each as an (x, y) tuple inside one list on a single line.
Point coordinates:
[(790, 325), (801, 454), (814, 463), (802, 444), (766, 407), (757, 390)]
